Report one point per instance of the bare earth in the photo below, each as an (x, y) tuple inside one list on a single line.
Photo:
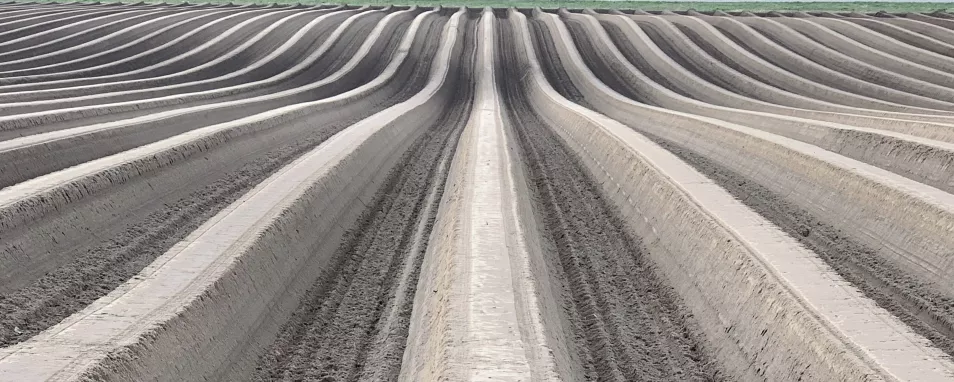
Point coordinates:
[(345, 193)]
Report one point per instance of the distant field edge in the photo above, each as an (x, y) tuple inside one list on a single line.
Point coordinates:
[(846, 6)]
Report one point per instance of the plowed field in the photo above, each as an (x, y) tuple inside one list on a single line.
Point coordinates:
[(345, 193)]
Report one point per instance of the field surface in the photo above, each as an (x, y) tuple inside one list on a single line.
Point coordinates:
[(384, 193)]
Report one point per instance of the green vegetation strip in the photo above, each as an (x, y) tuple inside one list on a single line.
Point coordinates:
[(684, 6), (893, 7)]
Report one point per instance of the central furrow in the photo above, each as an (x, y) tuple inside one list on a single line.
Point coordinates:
[(477, 314)]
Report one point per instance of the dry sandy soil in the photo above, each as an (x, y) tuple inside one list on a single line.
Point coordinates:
[(341, 193)]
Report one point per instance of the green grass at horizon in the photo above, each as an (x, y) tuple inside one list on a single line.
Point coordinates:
[(643, 5), (684, 6)]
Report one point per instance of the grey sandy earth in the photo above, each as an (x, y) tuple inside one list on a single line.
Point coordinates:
[(347, 193)]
